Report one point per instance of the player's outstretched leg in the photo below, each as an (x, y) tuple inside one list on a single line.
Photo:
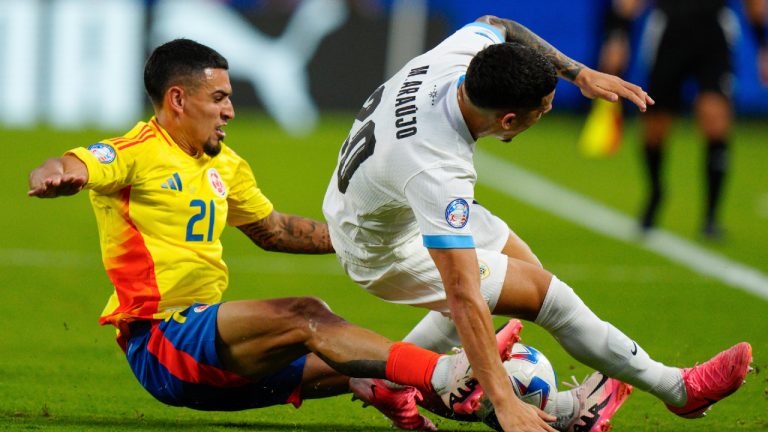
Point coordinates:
[(712, 381), (452, 381), (464, 394), (596, 400), (602, 346), (396, 402)]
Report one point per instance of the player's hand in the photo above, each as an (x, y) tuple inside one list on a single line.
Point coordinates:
[(609, 87), (525, 418), (51, 180), (55, 185)]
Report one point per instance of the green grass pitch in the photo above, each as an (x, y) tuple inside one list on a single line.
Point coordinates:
[(61, 371)]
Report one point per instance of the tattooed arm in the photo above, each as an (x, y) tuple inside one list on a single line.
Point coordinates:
[(591, 82), (515, 32), (288, 233)]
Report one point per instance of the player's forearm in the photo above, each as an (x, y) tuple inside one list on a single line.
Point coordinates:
[(515, 32), (288, 233), (458, 269), (476, 332)]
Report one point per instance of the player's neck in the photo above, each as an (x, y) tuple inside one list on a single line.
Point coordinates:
[(177, 134), (474, 117)]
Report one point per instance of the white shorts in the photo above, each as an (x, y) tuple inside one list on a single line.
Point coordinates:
[(413, 278)]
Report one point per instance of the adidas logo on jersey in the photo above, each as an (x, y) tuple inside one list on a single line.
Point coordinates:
[(173, 183)]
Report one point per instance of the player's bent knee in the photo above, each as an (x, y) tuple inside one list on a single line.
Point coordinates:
[(312, 308), (525, 287)]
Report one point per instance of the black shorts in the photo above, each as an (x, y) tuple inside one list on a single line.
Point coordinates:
[(695, 47)]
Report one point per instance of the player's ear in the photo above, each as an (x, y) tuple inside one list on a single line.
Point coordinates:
[(174, 98), (507, 120)]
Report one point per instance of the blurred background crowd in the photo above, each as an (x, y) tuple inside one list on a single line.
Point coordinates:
[(78, 62)]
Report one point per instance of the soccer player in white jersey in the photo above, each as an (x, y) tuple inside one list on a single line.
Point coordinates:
[(404, 223)]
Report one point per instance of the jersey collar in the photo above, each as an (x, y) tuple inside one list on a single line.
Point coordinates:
[(160, 131), (454, 111)]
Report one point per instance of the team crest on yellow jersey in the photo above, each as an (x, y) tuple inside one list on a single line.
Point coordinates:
[(104, 153), (216, 182)]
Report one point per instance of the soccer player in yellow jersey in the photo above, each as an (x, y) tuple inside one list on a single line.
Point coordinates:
[(162, 194)]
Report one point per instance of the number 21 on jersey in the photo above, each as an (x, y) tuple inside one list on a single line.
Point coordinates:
[(198, 220)]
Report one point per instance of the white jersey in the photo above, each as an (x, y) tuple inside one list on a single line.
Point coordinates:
[(406, 168)]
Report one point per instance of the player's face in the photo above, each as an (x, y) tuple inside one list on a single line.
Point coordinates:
[(510, 127), (208, 109)]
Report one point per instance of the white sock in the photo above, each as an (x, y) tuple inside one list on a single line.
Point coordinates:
[(602, 346), (441, 374), (564, 409), (434, 332)]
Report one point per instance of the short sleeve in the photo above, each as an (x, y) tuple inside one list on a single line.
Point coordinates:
[(471, 39), (485, 30), (109, 170), (441, 200), (246, 202)]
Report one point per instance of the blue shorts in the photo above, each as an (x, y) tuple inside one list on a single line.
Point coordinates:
[(176, 361)]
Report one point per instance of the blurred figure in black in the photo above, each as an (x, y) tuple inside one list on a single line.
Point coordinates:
[(690, 39)]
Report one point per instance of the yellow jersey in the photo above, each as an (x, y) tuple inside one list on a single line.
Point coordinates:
[(160, 214)]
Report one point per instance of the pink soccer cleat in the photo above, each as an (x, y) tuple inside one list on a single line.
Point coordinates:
[(396, 402), (466, 400), (599, 398), (508, 335), (707, 383)]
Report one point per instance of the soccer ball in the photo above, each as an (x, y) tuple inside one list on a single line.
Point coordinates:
[(533, 379)]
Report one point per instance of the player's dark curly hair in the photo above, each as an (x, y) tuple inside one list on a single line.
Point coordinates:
[(509, 76), (180, 61)]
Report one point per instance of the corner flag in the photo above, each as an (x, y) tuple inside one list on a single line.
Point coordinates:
[(601, 136)]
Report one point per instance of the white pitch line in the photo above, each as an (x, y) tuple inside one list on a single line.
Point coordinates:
[(539, 192)]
